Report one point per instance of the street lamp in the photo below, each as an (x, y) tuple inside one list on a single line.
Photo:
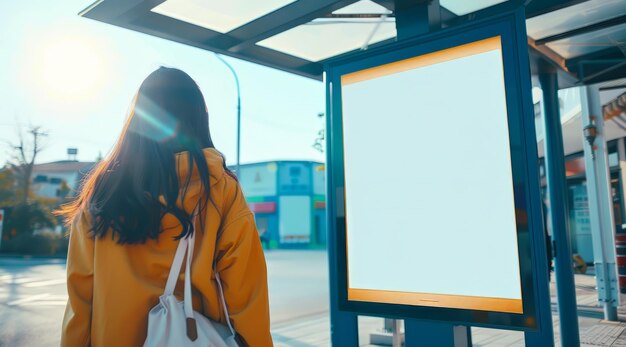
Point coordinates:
[(590, 132), (238, 109)]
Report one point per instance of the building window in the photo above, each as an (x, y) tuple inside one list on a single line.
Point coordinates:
[(41, 179), (295, 171)]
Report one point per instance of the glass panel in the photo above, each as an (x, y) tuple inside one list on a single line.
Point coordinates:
[(575, 167), (612, 84), (573, 17), (590, 42), (569, 103), (220, 16), (325, 37), (617, 202), (363, 6), (461, 7), (580, 227), (613, 159)]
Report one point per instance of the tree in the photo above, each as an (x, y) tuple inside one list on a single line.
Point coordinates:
[(319, 143), (7, 187), (23, 219), (26, 214), (24, 159)]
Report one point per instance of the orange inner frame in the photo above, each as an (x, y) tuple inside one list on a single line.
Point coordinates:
[(430, 299), (437, 300), (437, 57)]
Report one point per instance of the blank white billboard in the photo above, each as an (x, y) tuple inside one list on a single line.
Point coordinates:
[(430, 215)]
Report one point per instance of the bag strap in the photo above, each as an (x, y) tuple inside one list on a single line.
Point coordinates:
[(217, 279), (220, 287), (185, 246), (223, 300), (172, 278), (187, 293)]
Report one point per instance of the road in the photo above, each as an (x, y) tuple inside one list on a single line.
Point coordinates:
[(33, 294)]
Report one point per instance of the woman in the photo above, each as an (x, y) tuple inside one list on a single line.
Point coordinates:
[(137, 203)]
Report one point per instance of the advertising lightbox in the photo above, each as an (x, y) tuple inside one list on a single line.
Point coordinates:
[(431, 180), (419, 224)]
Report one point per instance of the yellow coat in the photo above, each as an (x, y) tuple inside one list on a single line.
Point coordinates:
[(112, 287)]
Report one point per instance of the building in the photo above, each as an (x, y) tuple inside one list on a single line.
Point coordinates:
[(288, 200), (287, 197), (59, 179), (577, 196)]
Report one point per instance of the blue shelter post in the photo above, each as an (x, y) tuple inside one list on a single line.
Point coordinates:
[(544, 336), (600, 201), (555, 173), (344, 327)]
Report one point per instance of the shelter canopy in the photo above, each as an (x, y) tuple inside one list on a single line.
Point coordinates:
[(584, 39)]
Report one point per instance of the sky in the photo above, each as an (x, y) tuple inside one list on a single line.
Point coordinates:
[(75, 78)]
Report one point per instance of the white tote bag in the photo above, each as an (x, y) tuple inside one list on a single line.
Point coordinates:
[(173, 323)]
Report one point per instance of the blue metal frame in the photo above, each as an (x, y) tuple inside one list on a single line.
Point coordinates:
[(344, 327), (557, 193), (241, 42), (533, 264)]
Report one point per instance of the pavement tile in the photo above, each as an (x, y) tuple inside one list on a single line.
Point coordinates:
[(601, 334)]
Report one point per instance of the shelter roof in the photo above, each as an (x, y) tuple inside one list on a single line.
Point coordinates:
[(586, 39)]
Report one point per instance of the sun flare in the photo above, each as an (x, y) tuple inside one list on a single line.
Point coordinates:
[(69, 68)]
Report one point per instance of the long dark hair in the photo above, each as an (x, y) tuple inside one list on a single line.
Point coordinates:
[(167, 116)]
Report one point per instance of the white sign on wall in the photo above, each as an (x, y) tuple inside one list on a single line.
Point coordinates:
[(294, 219), (259, 180)]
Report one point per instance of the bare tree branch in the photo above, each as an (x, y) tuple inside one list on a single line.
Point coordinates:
[(24, 158)]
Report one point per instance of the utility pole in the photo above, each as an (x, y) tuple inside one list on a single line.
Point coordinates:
[(238, 110)]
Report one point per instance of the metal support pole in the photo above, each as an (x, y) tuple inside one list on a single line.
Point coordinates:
[(344, 327), (432, 334), (238, 109), (555, 173), (600, 202), (416, 17), (396, 338), (390, 335)]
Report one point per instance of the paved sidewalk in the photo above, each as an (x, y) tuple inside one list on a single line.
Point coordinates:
[(594, 331), (314, 330)]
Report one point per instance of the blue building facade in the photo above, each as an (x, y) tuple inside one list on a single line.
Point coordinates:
[(288, 200)]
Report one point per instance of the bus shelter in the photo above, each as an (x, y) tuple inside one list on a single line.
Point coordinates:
[(372, 50)]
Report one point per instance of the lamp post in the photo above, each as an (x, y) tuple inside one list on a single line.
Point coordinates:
[(238, 109)]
